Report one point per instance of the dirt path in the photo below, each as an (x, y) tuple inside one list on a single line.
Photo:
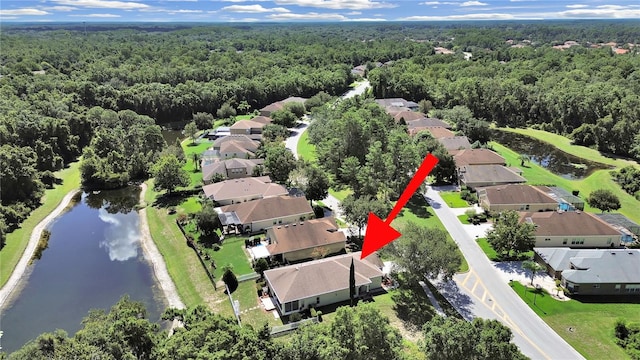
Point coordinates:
[(23, 264), (152, 254)]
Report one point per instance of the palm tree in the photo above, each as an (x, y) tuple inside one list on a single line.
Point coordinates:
[(523, 159), (533, 266)]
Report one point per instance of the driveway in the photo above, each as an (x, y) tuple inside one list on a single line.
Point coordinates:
[(483, 292)]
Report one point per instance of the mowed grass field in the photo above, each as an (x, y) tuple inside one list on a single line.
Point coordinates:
[(17, 240), (592, 323), (601, 179)]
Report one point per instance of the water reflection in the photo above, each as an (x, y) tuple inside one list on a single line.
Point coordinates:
[(121, 237), (548, 156)]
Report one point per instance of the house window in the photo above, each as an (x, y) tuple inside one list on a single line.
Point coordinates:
[(617, 287), (596, 286), (547, 239), (279, 221), (274, 222), (291, 306), (564, 242), (632, 288), (318, 300), (526, 207)]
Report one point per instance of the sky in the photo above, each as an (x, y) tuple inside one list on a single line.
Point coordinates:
[(310, 10)]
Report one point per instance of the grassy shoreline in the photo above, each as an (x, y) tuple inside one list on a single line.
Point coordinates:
[(18, 239), (564, 144), (601, 179)]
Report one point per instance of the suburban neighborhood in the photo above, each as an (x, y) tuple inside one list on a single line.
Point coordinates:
[(404, 190)]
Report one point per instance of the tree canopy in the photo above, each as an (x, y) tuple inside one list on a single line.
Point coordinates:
[(604, 200), (510, 236)]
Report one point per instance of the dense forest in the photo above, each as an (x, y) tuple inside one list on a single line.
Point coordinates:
[(61, 84), (356, 333)]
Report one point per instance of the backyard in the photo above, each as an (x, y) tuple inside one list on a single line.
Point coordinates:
[(588, 324), (453, 199)]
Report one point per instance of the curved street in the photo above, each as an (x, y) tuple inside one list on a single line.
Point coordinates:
[(482, 292)]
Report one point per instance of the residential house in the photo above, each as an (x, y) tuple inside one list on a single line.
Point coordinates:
[(396, 103), (322, 282), (279, 105), (629, 229), (305, 239), (258, 215), (221, 131), (424, 123), (475, 176), (230, 168), (408, 115), (235, 146), (439, 132), (359, 70), (574, 229), (455, 142), (516, 197), (567, 200), (466, 157), (246, 127), (242, 190), (594, 271)]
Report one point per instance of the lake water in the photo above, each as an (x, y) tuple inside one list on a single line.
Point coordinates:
[(94, 258), (548, 156)]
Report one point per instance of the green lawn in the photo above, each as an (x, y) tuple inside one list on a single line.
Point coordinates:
[(464, 219), (17, 240), (231, 252), (452, 198), (305, 150), (487, 249), (601, 179), (592, 322), (340, 194), (192, 283), (195, 174)]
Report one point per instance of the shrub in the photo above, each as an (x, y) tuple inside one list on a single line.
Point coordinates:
[(319, 314), (230, 279), (313, 312), (295, 317), (575, 192)]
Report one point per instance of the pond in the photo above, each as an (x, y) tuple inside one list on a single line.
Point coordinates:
[(548, 156), (93, 259), (170, 136)]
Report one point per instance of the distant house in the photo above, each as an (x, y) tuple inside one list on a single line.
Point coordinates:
[(476, 157), (439, 132), (408, 115), (241, 190), (258, 215), (515, 197), (629, 229), (221, 131), (567, 200), (426, 122), (594, 271), (298, 241), (321, 282), (359, 70), (455, 142), (279, 105), (235, 146), (574, 229), (250, 127), (397, 103), (229, 169), (475, 176)]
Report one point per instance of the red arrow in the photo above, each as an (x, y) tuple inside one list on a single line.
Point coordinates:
[(381, 233)]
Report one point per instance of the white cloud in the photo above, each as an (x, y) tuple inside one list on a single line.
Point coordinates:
[(253, 9), (20, 12), (473, 3), (367, 19), (60, 8), (103, 4), (182, 11), (576, 6), (601, 13), (307, 16), (98, 15), (122, 238), (355, 13), (460, 17), (338, 4)]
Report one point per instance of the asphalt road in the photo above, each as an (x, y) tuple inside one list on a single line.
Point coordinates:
[(482, 293)]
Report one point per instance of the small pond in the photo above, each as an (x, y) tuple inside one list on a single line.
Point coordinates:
[(548, 156), (93, 259)]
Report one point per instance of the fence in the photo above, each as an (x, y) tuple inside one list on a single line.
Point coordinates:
[(284, 329), (192, 245)]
